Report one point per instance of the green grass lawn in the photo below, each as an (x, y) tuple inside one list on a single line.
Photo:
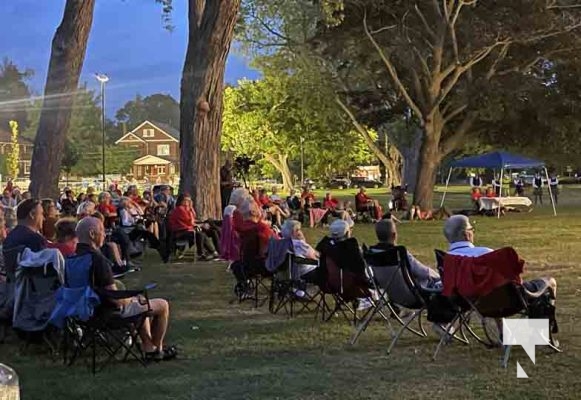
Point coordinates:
[(232, 351)]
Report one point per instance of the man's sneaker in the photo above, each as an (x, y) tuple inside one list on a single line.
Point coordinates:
[(364, 304)]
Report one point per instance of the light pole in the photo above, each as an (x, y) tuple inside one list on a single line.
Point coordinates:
[(302, 161), (103, 79)]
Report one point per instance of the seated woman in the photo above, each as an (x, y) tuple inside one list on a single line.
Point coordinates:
[(291, 229), (51, 216), (131, 222), (475, 195), (275, 211), (66, 238), (253, 224), (85, 209), (182, 225), (334, 208), (150, 207), (108, 210), (490, 193)]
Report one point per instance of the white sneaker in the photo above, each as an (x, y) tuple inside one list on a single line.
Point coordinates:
[(364, 304)]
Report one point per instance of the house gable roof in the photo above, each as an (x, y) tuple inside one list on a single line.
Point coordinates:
[(129, 137), (172, 133), (151, 160)]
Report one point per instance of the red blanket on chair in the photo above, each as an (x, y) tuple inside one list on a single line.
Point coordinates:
[(478, 276)]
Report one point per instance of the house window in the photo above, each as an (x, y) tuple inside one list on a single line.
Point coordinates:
[(163, 149), (148, 133), (160, 169)]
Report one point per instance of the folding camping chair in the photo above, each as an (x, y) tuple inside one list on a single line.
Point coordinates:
[(35, 288), (287, 286), (510, 299), (342, 276), (381, 267), (398, 287), (90, 322), (250, 271)]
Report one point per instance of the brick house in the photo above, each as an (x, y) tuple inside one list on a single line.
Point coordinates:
[(25, 147), (158, 148)]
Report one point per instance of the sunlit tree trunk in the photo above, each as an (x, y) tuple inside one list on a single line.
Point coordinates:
[(211, 28), (69, 45)]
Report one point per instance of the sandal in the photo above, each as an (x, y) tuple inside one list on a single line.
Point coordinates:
[(168, 353)]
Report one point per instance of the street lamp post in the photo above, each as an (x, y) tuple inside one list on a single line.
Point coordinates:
[(302, 162), (103, 79)]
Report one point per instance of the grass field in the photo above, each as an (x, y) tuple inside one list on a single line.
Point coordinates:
[(232, 351)]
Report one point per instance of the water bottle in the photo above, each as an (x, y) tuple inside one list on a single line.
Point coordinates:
[(9, 389)]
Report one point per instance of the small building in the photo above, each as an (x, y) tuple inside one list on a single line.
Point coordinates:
[(368, 172), (25, 148), (157, 146)]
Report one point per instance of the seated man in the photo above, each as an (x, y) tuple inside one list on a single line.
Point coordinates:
[(91, 236), (460, 235), (30, 216), (364, 203), (386, 233)]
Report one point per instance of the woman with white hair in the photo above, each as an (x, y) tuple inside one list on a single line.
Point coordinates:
[(291, 229), (229, 240)]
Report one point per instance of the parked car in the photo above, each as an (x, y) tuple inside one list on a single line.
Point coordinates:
[(339, 183), (365, 182), (310, 184)]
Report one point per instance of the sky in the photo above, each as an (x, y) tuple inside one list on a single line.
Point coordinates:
[(128, 42)]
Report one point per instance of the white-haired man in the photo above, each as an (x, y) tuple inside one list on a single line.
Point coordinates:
[(91, 236), (459, 233)]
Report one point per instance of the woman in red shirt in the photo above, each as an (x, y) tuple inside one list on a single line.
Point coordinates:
[(182, 224), (108, 210), (329, 202)]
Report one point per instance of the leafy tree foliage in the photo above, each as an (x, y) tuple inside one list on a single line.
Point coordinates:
[(14, 94), (156, 107)]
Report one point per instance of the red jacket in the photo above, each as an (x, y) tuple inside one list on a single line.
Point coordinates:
[(477, 276), (182, 219), (330, 203), (263, 231)]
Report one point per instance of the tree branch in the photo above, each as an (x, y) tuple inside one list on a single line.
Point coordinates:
[(454, 113), (453, 142), (392, 71), (425, 22)]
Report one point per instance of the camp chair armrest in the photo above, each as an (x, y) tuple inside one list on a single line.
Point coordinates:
[(305, 261), (120, 294)]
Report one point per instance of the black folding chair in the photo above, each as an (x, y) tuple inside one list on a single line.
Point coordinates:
[(106, 330), (287, 283), (342, 276), (399, 287)]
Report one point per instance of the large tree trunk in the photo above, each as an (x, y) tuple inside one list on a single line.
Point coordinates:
[(429, 158), (66, 61), (410, 152), (211, 28), (280, 162)]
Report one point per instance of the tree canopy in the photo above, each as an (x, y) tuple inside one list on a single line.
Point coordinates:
[(14, 94)]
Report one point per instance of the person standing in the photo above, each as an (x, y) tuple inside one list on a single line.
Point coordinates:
[(497, 185), (519, 187), (538, 188), (476, 181), (226, 183), (554, 186)]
